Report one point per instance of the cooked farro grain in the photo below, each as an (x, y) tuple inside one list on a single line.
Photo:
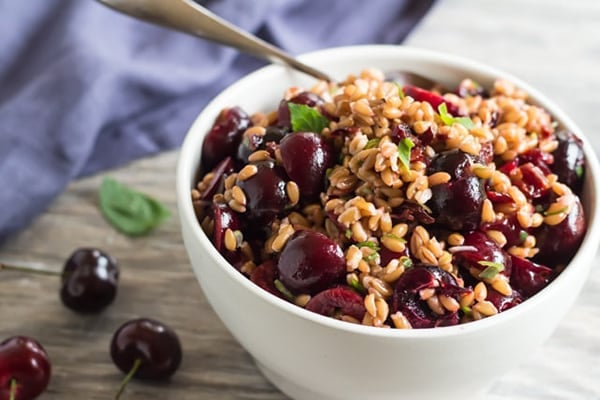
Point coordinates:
[(378, 200)]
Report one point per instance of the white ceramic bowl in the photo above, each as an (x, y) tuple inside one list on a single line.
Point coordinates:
[(309, 356)]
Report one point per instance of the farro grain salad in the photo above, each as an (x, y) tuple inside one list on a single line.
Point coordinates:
[(394, 206)]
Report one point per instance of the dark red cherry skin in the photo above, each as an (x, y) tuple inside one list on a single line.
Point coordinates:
[(457, 204), (89, 280), (264, 276), (454, 162), (559, 243), (225, 218), (224, 137), (219, 172), (265, 192), (155, 344), (310, 262), (406, 298), (486, 250), (569, 160), (528, 277), (25, 360), (502, 302), (338, 301), (251, 143), (510, 228), (307, 98), (306, 157)]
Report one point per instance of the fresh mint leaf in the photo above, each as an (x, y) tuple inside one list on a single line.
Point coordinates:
[(129, 211), (306, 119), (492, 269), (404, 148), (448, 119)]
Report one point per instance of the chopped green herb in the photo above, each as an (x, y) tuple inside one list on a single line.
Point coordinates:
[(492, 269), (306, 119), (539, 208), (559, 211), (355, 283), (522, 236), (371, 256), (372, 143), (406, 262), (348, 233), (284, 291), (448, 119), (400, 90), (129, 211), (392, 236), (369, 244), (579, 171), (404, 148), (466, 309)]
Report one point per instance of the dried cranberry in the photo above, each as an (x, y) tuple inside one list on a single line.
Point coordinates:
[(434, 99), (310, 262), (225, 135), (338, 301)]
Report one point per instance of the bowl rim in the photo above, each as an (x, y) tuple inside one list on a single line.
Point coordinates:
[(192, 143)]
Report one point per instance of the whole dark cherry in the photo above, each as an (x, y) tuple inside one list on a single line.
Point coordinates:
[(224, 137), (482, 250), (89, 280), (569, 160), (456, 204), (147, 347), (310, 262), (306, 157), (265, 191), (24, 368), (559, 243)]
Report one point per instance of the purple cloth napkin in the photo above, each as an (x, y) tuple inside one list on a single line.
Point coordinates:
[(83, 88)]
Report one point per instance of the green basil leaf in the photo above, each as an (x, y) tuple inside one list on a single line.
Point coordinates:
[(492, 269), (404, 148), (129, 211), (306, 119), (448, 119)]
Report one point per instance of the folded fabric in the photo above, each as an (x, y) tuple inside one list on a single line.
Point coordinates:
[(83, 88)]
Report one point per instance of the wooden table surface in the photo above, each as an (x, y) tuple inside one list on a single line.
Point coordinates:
[(555, 45)]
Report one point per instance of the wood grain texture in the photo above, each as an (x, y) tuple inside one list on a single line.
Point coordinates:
[(552, 44)]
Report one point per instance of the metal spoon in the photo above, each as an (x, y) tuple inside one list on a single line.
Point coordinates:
[(189, 17)]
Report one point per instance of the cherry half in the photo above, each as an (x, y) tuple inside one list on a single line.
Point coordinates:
[(24, 369), (147, 349)]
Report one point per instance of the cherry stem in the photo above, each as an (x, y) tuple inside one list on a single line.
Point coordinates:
[(13, 389), (136, 365), (22, 268)]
